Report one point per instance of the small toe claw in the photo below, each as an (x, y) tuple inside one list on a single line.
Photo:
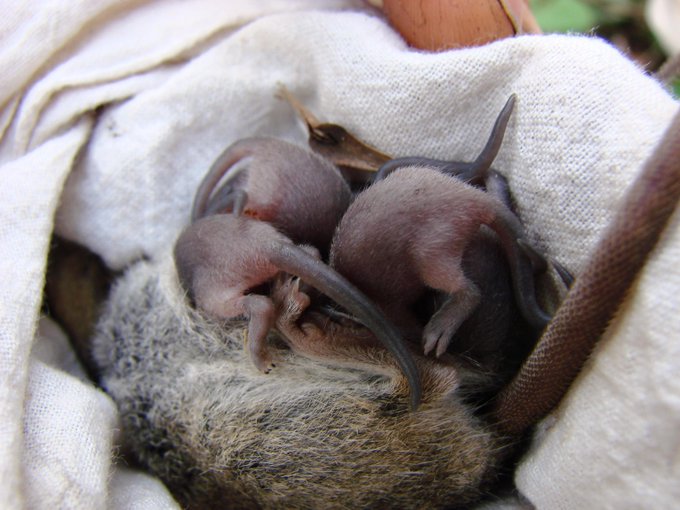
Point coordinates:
[(437, 340)]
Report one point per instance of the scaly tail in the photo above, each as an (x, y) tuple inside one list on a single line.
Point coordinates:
[(598, 291), (482, 164)]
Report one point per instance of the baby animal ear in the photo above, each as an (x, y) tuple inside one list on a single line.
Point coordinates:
[(597, 292)]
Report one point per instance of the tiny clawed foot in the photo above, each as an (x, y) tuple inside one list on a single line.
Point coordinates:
[(429, 343), (436, 339), (296, 294), (291, 301), (298, 300), (260, 356), (264, 363), (269, 368)]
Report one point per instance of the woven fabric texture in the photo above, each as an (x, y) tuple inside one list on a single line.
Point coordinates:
[(111, 112)]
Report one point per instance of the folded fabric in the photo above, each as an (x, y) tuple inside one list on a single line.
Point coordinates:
[(111, 113)]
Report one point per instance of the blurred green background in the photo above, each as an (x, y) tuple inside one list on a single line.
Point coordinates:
[(622, 22)]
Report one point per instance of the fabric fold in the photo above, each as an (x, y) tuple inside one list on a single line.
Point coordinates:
[(113, 111)]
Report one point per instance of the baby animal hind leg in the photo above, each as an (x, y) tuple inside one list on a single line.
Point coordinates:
[(317, 336), (260, 311), (464, 297), (446, 321)]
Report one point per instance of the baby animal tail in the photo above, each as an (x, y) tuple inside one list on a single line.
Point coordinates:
[(520, 254), (298, 262), (475, 172), (493, 145)]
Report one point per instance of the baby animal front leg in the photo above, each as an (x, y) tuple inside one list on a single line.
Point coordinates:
[(223, 304), (260, 311)]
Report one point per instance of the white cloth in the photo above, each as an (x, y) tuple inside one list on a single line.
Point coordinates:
[(110, 112)]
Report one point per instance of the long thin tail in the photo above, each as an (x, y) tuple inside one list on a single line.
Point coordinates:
[(493, 144), (296, 261), (473, 173), (231, 155), (519, 254)]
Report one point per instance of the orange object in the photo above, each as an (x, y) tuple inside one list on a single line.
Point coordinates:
[(436, 25)]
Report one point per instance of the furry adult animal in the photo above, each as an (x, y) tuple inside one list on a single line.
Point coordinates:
[(220, 434)]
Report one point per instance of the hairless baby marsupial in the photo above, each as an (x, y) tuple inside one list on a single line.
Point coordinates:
[(409, 232), (297, 191)]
